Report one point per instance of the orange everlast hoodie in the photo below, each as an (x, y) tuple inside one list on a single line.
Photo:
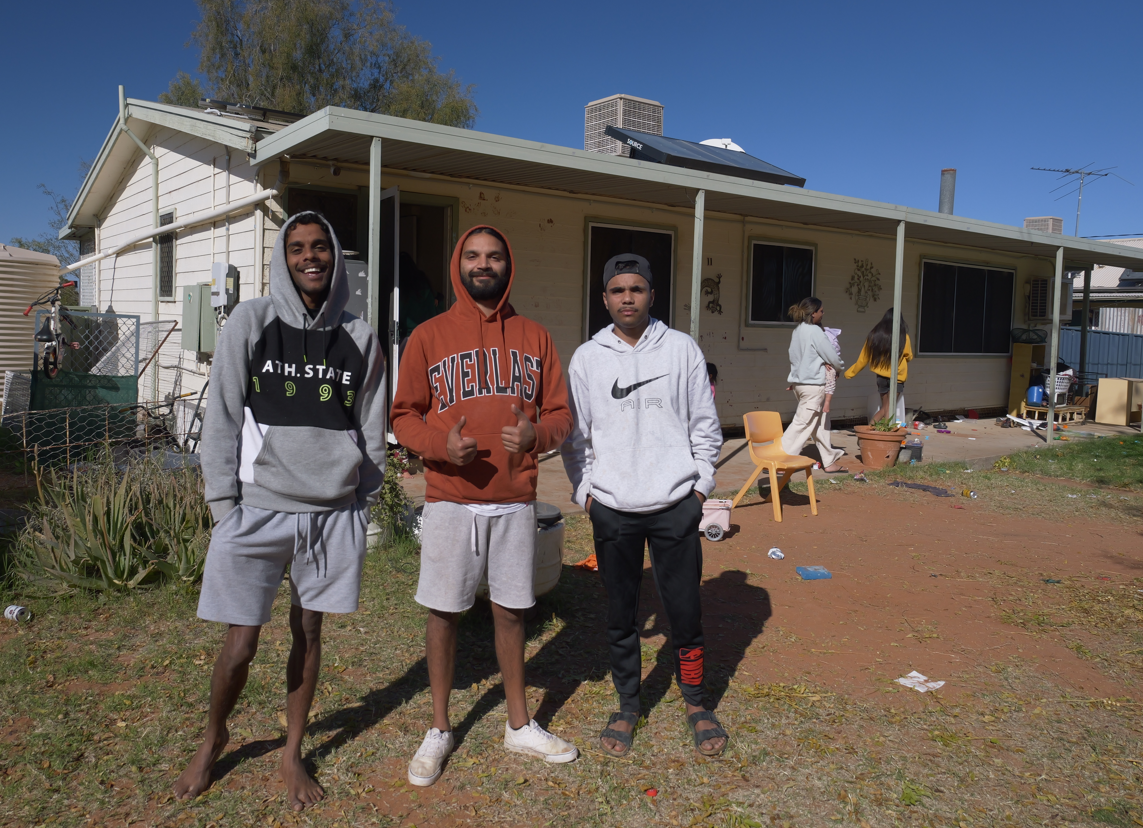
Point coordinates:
[(462, 363)]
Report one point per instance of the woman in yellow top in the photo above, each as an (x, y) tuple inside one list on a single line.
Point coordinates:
[(875, 353)]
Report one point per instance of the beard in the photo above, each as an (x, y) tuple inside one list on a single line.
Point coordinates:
[(484, 293)]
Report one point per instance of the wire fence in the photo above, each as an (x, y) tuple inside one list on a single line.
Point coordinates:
[(110, 394)]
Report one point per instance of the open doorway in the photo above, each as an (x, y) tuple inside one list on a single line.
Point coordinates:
[(425, 248)]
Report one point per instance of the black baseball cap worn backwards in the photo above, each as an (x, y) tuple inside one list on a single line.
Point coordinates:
[(626, 263)]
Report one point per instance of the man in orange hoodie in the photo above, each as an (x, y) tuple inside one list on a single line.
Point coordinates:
[(480, 394)]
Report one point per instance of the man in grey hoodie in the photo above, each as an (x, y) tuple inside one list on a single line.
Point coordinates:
[(293, 454), (641, 460)]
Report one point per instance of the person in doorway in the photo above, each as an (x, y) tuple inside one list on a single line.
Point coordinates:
[(876, 354), (641, 461), (293, 454), (472, 383), (810, 352)]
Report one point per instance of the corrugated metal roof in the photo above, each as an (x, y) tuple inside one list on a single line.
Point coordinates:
[(345, 135), (675, 152)]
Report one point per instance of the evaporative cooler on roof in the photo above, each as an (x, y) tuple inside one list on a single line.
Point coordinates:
[(624, 111)]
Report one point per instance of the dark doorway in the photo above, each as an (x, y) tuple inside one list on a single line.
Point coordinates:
[(339, 209), (425, 251), (656, 246)]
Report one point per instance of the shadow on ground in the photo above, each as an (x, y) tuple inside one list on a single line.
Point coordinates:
[(737, 613)]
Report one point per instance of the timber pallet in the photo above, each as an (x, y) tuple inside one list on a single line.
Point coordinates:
[(1064, 413)]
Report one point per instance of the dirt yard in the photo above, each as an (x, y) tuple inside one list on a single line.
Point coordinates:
[(1032, 621)]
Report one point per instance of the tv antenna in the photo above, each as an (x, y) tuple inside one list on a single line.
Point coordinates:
[(1083, 173)]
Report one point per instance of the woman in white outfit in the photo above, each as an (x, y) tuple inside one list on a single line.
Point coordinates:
[(810, 352)]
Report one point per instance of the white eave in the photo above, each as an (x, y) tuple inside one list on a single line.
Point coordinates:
[(118, 151), (338, 134)]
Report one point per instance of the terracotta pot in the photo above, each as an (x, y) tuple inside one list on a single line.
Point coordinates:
[(878, 448)]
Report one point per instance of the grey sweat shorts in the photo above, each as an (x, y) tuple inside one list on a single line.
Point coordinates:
[(250, 549), (458, 546)]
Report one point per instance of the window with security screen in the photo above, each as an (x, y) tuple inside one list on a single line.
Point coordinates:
[(166, 259), (965, 310), (781, 275)]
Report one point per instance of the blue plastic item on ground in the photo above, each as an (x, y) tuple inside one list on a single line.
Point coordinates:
[(813, 573), (1035, 395)]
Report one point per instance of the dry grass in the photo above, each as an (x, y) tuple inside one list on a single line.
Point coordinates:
[(103, 702)]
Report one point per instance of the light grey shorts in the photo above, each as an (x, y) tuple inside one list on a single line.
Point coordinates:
[(458, 546), (250, 549)]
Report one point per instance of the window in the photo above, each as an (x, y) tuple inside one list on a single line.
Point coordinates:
[(607, 240), (340, 209), (780, 276), (965, 310), (166, 259)]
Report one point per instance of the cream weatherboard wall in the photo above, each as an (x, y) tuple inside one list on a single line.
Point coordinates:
[(547, 231), (195, 176)]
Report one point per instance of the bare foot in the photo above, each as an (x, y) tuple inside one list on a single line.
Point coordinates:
[(196, 778), (301, 788), (614, 745)]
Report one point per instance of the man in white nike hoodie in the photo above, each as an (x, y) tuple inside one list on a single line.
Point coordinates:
[(641, 460)]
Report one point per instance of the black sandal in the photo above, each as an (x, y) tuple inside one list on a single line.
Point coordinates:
[(621, 736), (701, 736)]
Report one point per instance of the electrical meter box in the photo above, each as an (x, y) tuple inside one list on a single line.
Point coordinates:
[(223, 285), (199, 324)]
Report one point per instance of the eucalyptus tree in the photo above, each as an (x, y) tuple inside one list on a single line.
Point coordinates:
[(302, 55)]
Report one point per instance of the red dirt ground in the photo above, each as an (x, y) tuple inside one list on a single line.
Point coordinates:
[(883, 613)]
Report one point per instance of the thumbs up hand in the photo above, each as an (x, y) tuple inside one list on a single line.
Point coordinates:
[(461, 449), (519, 438)]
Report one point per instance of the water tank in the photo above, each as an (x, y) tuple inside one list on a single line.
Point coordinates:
[(24, 277)]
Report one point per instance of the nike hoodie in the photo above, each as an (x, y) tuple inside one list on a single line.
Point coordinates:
[(462, 363), (646, 432), (296, 417)]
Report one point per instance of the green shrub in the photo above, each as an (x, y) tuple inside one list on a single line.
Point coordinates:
[(105, 528), (393, 505)]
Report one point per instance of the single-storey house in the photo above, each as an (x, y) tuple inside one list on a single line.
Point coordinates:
[(223, 179)]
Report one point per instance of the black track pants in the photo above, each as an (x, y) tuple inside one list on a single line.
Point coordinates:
[(676, 564)]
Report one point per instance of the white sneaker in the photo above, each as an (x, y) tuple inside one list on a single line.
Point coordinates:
[(428, 761), (533, 740)]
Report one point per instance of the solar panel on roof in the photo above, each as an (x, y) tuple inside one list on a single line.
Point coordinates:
[(687, 154)]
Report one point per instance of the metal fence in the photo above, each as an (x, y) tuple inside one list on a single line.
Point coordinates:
[(93, 403), (1108, 354)]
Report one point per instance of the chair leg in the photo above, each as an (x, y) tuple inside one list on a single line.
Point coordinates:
[(749, 481), (776, 495), (810, 486), (784, 480)]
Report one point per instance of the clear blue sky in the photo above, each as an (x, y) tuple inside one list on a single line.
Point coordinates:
[(864, 99)]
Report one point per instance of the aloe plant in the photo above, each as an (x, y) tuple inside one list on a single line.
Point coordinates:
[(110, 529)]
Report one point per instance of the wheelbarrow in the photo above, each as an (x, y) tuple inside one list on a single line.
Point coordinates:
[(715, 521)]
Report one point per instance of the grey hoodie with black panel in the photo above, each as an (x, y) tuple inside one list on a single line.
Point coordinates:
[(646, 431), (296, 417)]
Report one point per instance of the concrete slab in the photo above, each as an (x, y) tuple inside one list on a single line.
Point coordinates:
[(975, 443)]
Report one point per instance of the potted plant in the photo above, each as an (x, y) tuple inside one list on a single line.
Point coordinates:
[(879, 442)]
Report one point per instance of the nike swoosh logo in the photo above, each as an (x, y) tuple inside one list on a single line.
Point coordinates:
[(619, 393)]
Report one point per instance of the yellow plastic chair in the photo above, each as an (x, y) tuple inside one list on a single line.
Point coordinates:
[(764, 442)]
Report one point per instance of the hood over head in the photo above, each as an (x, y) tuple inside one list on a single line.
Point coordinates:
[(288, 302), (651, 340), (464, 299)]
